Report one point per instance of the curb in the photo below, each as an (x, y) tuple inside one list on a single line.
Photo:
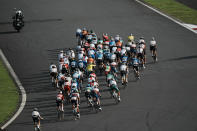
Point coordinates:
[(22, 90), (170, 18)]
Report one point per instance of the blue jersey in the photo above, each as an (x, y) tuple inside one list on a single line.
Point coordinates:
[(73, 64), (124, 59), (80, 64), (99, 56), (135, 61), (112, 43)]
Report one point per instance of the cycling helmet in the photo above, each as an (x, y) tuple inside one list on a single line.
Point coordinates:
[(61, 51), (84, 29), (131, 34), (60, 92), (78, 30), (142, 37), (91, 31), (35, 109), (153, 38)]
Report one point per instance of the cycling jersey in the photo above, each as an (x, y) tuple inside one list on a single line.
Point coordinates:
[(80, 56), (135, 62), (60, 97), (35, 114), (124, 59), (90, 67)]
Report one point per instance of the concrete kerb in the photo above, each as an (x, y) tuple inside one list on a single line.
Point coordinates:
[(21, 88), (170, 18)]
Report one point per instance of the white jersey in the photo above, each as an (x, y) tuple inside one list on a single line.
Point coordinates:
[(60, 66), (114, 49), (35, 114), (117, 38), (91, 52), (76, 75), (142, 46), (113, 82), (123, 68), (61, 56), (80, 56), (141, 41), (123, 51), (61, 76), (72, 54), (69, 79), (139, 50), (66, 60), (53, 68), (153, 43), (133, 45), (113, 57)]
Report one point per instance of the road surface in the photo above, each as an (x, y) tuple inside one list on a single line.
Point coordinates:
[(163, 100)]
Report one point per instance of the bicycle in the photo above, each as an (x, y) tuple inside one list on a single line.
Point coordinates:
[(115, 96), (76, 114)]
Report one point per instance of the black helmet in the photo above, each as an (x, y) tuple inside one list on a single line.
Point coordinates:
[(35, 109)]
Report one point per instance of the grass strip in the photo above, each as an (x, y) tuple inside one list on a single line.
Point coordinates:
[(9, 96), (175, 9)]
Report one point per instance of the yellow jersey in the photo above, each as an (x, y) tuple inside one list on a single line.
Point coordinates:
[(130, 38), (90, 67)]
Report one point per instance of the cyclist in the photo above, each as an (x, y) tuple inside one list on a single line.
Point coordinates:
[(109, 77), (114, 86), (36, 117), (142, 44), (140, 56), (75, 100), (88, 90), (59, 101), (78, 33), (131, 38), (61, 56), (96, 96), (153, 47), (53, 71), (124, 70), (135, 63), (90, 68), (61, 79)]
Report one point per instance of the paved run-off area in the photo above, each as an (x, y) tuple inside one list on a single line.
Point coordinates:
[(9, 96)]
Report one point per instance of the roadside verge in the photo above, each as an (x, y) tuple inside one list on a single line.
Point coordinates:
[(19, 85), (166, 15)]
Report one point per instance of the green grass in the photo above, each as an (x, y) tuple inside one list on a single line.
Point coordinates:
[(9, 96), (175, 9)]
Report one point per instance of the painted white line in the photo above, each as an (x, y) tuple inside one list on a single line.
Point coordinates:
[(170, 18), (23, 93)]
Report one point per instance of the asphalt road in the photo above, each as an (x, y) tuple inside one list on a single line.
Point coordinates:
[(163, 100)]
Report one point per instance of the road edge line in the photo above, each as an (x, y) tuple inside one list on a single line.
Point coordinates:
[(22, 90), (170, 18)]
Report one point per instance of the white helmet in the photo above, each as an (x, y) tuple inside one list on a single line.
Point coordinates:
[(78, 30)]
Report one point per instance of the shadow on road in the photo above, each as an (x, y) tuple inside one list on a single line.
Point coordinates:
[(34, 21), (8, 32)]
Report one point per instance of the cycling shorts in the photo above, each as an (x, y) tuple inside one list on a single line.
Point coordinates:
[(153, 48), (123, 72), (35, 119), (114, 87), (58, 102), (136, 67)]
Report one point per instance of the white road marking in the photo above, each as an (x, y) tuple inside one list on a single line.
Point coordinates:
[(170, 18), (23, 93)]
